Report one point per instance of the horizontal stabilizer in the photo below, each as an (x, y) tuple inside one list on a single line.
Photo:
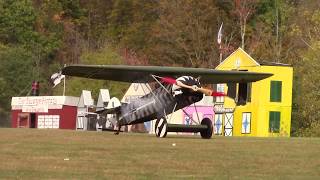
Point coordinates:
[(115, 110)]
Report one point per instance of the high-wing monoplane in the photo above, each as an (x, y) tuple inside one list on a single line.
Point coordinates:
[(177, 87)]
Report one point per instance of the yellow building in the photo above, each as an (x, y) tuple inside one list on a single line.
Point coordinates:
[(260, 108)]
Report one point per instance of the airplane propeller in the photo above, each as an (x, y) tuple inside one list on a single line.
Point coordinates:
[(206, 91)]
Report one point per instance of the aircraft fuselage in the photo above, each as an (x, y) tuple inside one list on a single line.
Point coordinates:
[(156, 104)]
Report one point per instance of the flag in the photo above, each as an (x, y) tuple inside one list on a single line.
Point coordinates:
[(56, 78), (220, 34)]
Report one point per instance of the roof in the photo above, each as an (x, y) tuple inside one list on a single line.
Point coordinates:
[(136, 90), (268, 63), (236, 55)]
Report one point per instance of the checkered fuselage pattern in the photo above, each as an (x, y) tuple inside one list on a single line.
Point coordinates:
[(158, 103)]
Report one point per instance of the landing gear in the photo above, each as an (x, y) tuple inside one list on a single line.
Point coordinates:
[(118, 127), (118, 131), (207, 133), (205, 128), (161, 127)]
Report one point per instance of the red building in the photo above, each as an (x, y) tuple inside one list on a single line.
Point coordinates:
[(44, 112)]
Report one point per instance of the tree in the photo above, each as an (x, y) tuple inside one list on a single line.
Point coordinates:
[(306, 117), (270, 39), (16, 74), (94, 24), (106, 55), (244, 9), (185, 34), (17, 22), (130, 22), (308, 123)]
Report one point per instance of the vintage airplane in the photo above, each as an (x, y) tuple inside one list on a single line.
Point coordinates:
[(178, 87)]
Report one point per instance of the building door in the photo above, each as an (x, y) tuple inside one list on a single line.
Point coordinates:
[(32, 120), (23, 120), (228, 124)]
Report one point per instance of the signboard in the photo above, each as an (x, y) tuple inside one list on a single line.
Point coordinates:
[(36, 100), (218, 108), (33, 109), (42, 103)]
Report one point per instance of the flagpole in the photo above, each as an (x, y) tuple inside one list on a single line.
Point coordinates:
[(64, 83), (220, 53), (64, 86)]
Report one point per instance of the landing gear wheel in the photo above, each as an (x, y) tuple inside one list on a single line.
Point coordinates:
[(207, 134), (161, 127)]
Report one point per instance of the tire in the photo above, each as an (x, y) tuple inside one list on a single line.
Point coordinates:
[(161, 127), (207, 134)]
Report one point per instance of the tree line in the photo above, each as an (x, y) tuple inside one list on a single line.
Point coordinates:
[(37, 37)]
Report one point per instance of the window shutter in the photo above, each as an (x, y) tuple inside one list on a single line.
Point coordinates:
[(275, 91), (274, 121)]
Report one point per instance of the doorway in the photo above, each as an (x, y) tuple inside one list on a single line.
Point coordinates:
[(23, 120), (32, 120)]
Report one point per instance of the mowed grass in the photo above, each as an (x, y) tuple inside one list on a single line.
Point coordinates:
[(67, 154)]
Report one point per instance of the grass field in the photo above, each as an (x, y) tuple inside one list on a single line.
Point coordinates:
[(66, 154)]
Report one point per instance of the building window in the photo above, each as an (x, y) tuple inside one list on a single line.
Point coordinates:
[(275, 91), (274, 121), (228, 124), (218, 124), (246, 123), (48, 121), (249, 88)]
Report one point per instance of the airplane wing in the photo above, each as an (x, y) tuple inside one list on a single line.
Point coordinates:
[(141, 74)]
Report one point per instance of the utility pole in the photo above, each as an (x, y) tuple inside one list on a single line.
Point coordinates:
[(278, 45)]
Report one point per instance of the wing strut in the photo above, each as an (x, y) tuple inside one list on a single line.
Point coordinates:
[(154, 94), (184, 111), (173, 110), (155, 78), (195, 107)]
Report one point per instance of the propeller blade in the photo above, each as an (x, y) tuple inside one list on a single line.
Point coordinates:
[(209, 92), (168, 80), (218, 94)]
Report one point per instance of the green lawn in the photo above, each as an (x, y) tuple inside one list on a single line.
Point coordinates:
[(67, 154)]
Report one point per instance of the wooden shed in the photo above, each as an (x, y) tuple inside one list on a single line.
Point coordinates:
[(58, 112)]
